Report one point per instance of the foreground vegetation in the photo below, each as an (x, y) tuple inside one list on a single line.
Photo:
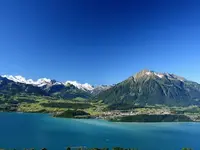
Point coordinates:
[(73, 114)]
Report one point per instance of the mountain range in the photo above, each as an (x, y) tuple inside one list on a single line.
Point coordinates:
[(49, 87), (44, 81), (144, 88)]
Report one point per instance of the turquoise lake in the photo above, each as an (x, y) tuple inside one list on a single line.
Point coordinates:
[(25, 130)]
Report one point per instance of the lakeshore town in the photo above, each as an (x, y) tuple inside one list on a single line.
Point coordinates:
[(147, 111), (121, 113)]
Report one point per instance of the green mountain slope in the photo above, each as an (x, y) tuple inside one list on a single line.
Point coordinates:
[(150, 88), (68, 91)]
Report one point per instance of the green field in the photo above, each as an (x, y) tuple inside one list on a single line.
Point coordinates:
[(89, 108), (45, 104)]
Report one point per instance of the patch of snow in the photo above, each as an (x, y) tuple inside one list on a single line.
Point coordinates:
[(174, 77), (30, 81), (85, 86), (100, 88), (148, 73), (18, 78), (41, 85), (159, 75), (57, 83), (40, 82), (43, 80), (88, 86)]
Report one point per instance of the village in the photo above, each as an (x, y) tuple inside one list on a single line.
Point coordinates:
[(139, 111)]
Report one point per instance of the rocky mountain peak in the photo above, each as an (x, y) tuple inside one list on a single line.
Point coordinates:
[(144, 73), (148, 73), (85, 86)]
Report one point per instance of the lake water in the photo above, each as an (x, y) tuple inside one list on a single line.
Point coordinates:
[(41, 130)]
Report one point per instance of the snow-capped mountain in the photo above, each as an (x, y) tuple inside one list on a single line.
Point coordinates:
[(40, 82), (19, 79), (85, 86), (159, 75), (149, 88), (144, 88), (44, 81), (100, 88)]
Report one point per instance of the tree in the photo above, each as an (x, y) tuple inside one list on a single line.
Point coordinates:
[(117, 148), (68, 148)]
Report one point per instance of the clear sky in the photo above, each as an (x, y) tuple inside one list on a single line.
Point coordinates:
[(99, 41)]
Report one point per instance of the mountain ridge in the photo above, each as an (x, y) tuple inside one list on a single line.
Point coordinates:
[(87, 86), (149, 88), (144, 88), (56, 86), (45, 81)]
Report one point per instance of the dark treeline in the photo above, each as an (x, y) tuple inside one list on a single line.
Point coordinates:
[(73, 114), (67, 105), (152, 118)]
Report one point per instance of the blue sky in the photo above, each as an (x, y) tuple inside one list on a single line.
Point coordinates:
[(99, 41)]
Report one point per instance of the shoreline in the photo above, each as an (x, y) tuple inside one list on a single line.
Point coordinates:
[(112, 120)]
